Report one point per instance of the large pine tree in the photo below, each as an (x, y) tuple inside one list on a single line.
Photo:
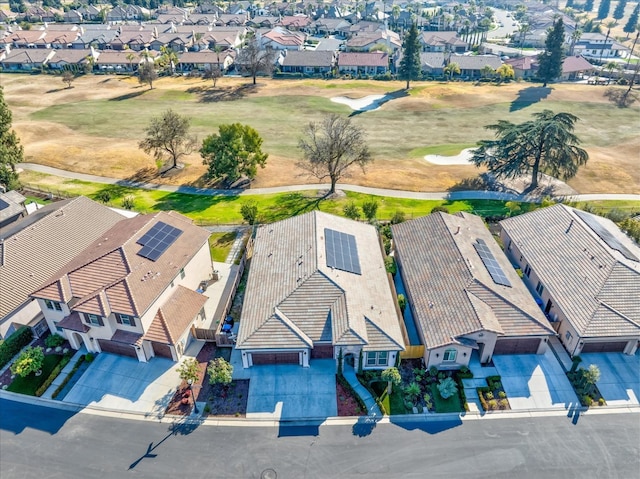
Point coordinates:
[(630, 27), (410, 64), (550, 60), (11, 152), (603, 9)]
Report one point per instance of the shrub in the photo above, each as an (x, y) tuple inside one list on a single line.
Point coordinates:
[(89, 357), (390, 265), (249, 211), (489, 395), (587, 401), (351, 210), (447, 388), (441, 376), (103, 196), (503, 403), (370, 208), (53, 341), (433, 371), (402, 302), (440, 208), (128, 202), (29, 361), (465, 373), (493, 404), (398, 217), (601, 402), (220, 371), (14, 343), (54, 374), (502, 395)]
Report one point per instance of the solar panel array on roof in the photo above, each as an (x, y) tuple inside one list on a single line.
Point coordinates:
[(342, 251), (490, 263), (605, 235), (156, 241)]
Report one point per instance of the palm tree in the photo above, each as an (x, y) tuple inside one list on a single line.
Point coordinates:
[(610, 67), (452, 69), (575, 36), (609, 25), (130, 57)]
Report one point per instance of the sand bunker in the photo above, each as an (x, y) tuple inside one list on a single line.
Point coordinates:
[(367, 103), (460, 159)]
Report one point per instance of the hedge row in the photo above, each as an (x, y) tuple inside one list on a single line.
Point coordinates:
[(14, 343), (54, 374), (68, 378)]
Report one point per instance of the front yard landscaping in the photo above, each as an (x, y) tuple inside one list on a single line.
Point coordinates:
[(31, 383), (493, 397), (584, 383), (349, 403)]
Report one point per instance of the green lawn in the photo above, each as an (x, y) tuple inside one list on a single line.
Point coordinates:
[(394, 403), (220, 244), (445, 405), (29, 385)]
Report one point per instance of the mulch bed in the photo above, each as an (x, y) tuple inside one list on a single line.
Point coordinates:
[(347, 404)]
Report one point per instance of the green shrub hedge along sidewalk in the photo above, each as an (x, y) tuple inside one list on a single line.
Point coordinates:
[(31, 383)]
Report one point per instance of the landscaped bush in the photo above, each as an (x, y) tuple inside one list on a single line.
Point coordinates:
[(465, 373), (29, 361), (447, 388), (14, 343), (89, 357), (53, 341), (29, 385), (68, 378)]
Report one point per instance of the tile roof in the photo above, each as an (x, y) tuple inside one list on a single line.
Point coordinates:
[(369, 59), (576, 63), (308, 58), (11, 204), (38, 245), (294, 299), (175, 316), (110, 273), (595, 285), (450, 288), (475, 62)]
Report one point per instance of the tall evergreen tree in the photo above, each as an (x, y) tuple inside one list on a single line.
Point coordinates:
[(588, 5), (618, 13), (550, 60), (630, 27), (603, 9), (11, 151), (410, 64)]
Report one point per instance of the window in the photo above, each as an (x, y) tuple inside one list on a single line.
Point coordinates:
[(568, 336), (94, 320), (53, 305), (125, 319), (377, 358), (182, 275), (58, 328), (540, 288), (527, 270), (450, 355)]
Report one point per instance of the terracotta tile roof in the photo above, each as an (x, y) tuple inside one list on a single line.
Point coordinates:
[(576, 64), (74, 323), (593, 284), (451, 290), (38, 245), (175, 316), (293, 298), (127, 337), (111, 266)]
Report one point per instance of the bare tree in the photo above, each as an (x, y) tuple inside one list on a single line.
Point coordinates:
[(68, 77), (147, 73), (331, 147), (254, 60), (168, 138)]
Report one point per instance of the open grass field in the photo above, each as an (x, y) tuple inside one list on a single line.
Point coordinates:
[(94, 127)]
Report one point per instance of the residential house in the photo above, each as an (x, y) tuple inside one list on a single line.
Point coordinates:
[(463, 294), (123, 13), (575, 68), (372, 63), (177, 42), (118, 61), (71, 59), (59, 40), (11, 207), (172, 18), (365, 42), (26, 39), (431, 64), (136, 40), (280, 38), (201, 19), (295, 22), (312, 63), (36, 246), (202, 60), (90, 13), (597, 45), (26, 59), (329, 26), (223, 37), (98, 38), (442, 42), (266, 21), (318, 289), (133, 290), (584, 272), (231, 20), (72, 16), (523, 67), (471, 65)]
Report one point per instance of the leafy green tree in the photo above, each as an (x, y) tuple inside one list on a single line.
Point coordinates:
[(220, 372), (29, 361), (591, 376), (410, 66), (249, 211), (331, 147), (452, 69), (402, 302), (618, 13), (632, 24), (487, 71), (370, 209), (168, 59), (447, 388), (550, 60), (147, 73), (393, 378), (505, 72), (167, 138), (546, 143), (233, 152), (351, 210), (11, 151), (603, 9), (189, 370)]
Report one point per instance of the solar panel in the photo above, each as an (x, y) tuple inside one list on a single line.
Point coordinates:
[(341, 251), (156, 241), (605, 235), (491, 263)]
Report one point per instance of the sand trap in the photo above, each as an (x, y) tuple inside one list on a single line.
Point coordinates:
[(460, 159), (367, 103)]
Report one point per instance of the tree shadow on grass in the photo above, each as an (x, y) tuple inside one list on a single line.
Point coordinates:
[(128, 96), (529, 96), (209, 94), (394, 95), (291, 204)]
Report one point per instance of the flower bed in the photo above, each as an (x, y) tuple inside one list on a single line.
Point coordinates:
[(493, 397), (349, 403), (589, 395)]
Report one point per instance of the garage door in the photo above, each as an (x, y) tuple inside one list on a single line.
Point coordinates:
[(275, 358), (322, 351), (604, 347), (517, 346), (162, 350), (117, 348)]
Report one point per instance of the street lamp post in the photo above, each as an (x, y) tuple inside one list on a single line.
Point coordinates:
[(195, 405)]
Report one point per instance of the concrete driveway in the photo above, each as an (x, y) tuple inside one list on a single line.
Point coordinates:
[(118, 382), (619, 381), (535, 381), (293, 392)]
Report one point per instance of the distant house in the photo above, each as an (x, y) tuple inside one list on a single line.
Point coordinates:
[(585, 273), (266, 21), (372, 63), (464, 297), (523, 67), (471, 65), (118, 61), (317, 289), (133, 290), (365, 42), (36, 246), (177, 42), (313, 63), (442, 42), (136, 40), (329, 26), (596, 45), (295, 22), (202, 60), (26, 59), (231, 20), (11, 207), (70, 59), (431, 64), (575, 68), (280, 38), (98, 38)]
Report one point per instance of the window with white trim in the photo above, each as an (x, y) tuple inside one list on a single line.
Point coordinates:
[(568, 336), (125, 319), (93, 319), (527, 270), (450, 355), (53, 305), (540, 288), (377, 358)]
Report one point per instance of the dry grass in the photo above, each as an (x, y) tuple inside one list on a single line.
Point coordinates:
[(83, 129)]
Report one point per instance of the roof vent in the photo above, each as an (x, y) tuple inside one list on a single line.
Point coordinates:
[(457, 231)]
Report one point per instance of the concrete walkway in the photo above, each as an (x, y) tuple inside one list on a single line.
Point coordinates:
[(372, 407), (454, 195), (64, 373), (560, 353)]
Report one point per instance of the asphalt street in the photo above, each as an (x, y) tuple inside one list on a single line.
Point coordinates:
[(39, 442)]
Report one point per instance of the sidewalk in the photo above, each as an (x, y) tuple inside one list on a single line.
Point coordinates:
[(372, 407), (64, 373)]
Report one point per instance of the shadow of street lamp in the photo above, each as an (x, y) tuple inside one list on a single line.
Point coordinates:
[(195, 405)]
